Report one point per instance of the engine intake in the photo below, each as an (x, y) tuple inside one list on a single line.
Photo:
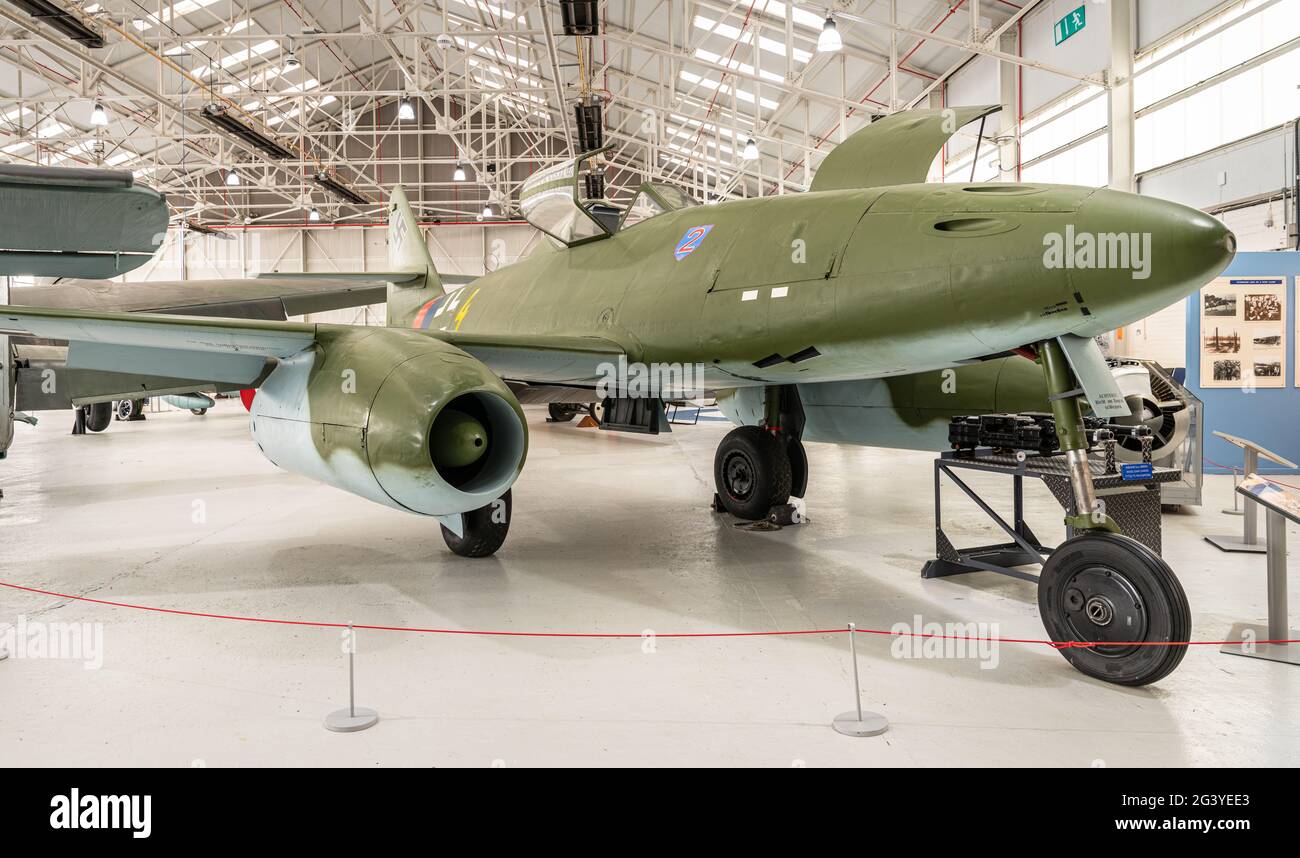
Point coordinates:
[(396, 417)]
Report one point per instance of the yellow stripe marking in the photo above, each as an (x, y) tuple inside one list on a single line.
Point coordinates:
[(460, 316)]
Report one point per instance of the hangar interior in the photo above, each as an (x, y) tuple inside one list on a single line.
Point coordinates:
[(276, 131)]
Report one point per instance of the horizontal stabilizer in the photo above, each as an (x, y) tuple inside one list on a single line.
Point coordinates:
[(367, 277)]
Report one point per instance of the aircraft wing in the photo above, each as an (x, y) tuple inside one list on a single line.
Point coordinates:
[(264, 298), (59, 221), (896, 150), (271, 297), (541, 359), (229, 351)]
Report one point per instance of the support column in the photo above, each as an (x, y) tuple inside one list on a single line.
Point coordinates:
[(7, 405), (1120, 78), (1009, 95)]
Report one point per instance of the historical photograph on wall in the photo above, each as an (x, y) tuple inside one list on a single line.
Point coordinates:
[(1243, 332)]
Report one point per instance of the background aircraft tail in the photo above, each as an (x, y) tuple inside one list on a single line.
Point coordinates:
[(409, 302)]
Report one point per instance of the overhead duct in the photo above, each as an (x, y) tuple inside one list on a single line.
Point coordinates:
[(338, 189), (220, 117), (591, 130), (579, 17), (62, 20)]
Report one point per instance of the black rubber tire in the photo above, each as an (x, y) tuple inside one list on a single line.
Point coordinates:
[(483, 536), (99, 416), (198, 412), (123, 409), (596, 411), (1123, 582), (798, 467), (751, 472), (560, 412)]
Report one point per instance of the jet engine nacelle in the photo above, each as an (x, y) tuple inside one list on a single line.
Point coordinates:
[(396, 417)]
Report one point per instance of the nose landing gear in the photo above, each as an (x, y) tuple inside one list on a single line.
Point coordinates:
[(1114, 604), (1121, 601)]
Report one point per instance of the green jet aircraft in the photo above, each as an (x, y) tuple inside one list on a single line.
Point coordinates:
[(781, 305)]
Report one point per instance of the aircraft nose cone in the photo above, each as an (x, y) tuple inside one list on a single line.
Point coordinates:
[(1136, 255)]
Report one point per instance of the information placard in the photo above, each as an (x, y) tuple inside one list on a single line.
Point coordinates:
[(1244, 332)]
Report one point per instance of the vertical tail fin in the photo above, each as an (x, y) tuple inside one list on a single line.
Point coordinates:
[(408, 252)]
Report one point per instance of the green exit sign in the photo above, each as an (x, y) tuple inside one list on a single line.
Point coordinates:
[(1071, 24)]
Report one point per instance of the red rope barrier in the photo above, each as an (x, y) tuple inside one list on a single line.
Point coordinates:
[(614, 635)]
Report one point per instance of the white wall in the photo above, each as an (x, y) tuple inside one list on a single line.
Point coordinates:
[(1158, 18)]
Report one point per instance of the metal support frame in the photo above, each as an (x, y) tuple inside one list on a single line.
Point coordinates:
[(1025, 549), (1135, 504)]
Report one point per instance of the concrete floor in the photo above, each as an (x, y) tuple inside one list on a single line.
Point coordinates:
[(611, 533)]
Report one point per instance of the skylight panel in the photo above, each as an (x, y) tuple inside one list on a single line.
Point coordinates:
[(498, 12), (727, 31), (736, 65), (709, 83)]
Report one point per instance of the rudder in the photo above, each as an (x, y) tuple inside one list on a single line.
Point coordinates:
[(407, 251)]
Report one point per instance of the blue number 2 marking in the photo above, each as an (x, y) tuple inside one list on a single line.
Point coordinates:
[(690, 241)]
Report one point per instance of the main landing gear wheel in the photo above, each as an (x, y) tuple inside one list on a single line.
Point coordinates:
[(98, 415), (485, 529), (1111, 592), (560, 412), (798, 467), (751, 471)]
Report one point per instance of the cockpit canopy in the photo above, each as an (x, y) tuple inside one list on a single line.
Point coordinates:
[(550, 201)]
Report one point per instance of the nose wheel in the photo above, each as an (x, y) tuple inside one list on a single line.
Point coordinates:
[(1121, 606)]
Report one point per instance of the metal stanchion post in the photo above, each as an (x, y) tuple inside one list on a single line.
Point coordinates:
[(1251, 509), (1248, 542), (354, 717), (857, 722), (1236, 481)]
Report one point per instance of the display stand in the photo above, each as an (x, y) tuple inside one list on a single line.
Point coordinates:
[(1280, 507), (1133, 504), (1248, 542)]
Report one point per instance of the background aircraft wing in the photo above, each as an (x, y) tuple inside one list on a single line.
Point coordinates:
[(896, 150), (72, 222), (229, 351)]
